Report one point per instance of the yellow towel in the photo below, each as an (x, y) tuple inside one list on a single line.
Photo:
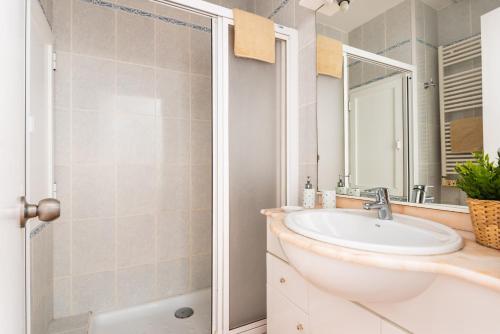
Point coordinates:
[(253, 36), (466, 135), (329, 56)]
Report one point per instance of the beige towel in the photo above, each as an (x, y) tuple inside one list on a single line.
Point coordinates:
[(253, 36), (329, 56), (466, 135)]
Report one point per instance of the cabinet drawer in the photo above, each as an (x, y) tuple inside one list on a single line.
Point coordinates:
[(273, 243), (284, 317), (283, 278)]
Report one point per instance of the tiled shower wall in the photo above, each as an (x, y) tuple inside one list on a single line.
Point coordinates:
[(133, 155)]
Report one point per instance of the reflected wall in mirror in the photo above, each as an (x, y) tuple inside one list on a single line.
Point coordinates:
[(441, 39)]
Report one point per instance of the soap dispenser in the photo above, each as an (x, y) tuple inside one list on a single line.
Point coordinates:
[(309, 195), (341, 188)]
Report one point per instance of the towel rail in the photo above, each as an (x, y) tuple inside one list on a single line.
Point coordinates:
[(459, 92)]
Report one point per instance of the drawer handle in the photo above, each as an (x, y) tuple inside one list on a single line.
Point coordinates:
[(282, 280), (300, 327)]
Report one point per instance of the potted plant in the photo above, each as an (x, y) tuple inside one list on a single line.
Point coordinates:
[(480, 180)]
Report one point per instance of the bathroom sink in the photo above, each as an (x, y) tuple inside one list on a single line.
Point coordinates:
[(359, 229), (370, 264)]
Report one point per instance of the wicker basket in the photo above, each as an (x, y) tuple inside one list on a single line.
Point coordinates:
[(486, 221)]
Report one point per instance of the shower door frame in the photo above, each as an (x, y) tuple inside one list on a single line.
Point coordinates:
[(222, 19)]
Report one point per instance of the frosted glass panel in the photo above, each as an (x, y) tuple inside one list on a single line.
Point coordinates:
[(254, 174)]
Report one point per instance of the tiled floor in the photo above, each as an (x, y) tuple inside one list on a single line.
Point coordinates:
[(158, 317)]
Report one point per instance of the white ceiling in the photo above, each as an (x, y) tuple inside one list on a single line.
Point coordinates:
[(362, 11)]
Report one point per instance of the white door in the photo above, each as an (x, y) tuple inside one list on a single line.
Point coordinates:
[(377, 135), (12, 102), (39, 157)]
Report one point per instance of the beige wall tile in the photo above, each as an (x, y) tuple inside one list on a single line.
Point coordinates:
[(93, 30), (92, 137), (174, 141), (62, 248), (135, 139), (201, 272), (135, 285), (135, 38), (62, 137), (94, 292), (93, 85), (93, 246), (174, 188), (62, 297), (62, 81), (172, 277), (172, 92), (173, 235), (201, 51), (172, 41), (136, 189), (201, 232), (136, 240), (62, 175), (201, 97), (201, 187), (93, 191), (135, 89), (201, 142)]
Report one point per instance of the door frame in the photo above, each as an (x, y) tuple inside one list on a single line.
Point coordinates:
[(409, 108), (34, 14), (391, 81)]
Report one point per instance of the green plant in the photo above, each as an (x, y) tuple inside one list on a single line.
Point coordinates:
[(480, 179)]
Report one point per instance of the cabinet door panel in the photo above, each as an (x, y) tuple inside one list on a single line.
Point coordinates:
[(283, 317), (285, 279)]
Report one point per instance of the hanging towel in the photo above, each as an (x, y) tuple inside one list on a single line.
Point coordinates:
[(253, 36), (466, 135), (329, 56)]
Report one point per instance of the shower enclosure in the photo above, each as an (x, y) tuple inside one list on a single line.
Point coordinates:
[(166, 147)]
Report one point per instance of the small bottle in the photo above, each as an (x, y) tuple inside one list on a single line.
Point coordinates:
[(341, 188), (309, 195)]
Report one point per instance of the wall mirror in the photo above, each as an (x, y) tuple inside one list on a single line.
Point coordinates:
[(382, 124)]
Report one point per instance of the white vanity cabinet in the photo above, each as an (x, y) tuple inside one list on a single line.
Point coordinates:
[(295, 306)]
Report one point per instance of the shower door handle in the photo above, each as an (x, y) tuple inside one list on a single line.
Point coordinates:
[(47, 210)]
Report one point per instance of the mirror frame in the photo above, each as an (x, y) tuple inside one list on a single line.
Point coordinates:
[(412, 114)]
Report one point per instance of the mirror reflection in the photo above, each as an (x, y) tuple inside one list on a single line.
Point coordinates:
[(394, 127)]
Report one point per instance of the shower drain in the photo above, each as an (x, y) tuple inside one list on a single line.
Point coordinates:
[(184, 312)]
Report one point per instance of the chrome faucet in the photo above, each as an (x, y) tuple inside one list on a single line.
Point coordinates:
[(381, 203)]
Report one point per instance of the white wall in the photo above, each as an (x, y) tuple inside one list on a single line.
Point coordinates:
[(490, 27)]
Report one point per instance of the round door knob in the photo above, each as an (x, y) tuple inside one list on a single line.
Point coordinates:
[(47, 210), (282, 280), (300, 327)]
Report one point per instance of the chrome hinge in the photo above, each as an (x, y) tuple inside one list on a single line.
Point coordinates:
[(349, 105), (54, 61), (54, 190)]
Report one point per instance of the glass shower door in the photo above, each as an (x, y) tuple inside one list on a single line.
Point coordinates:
[(255, 173)]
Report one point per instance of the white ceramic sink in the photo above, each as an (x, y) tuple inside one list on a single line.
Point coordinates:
[(367, 277), (362, 230)]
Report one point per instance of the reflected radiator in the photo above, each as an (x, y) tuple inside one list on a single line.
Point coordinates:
[(460, 96)]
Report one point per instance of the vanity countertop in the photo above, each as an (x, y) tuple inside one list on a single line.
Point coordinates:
[(474, 263)]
